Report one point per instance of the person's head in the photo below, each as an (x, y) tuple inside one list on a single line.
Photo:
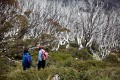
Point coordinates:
[(40, 47), (25, 50)]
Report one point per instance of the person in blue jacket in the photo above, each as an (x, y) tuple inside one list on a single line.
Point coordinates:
[(27, 59)]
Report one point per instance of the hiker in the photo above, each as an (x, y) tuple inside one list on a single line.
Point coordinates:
[(42, 56), (27, 59)]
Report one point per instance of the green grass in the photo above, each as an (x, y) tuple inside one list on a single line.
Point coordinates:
[(67, 66)]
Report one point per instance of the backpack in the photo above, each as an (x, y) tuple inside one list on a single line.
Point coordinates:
[(44, 55), (29, 59)]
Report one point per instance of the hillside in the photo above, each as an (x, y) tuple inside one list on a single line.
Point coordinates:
[(69, 64), (83, 38)]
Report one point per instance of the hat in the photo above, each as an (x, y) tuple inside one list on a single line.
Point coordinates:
[(40, 47)]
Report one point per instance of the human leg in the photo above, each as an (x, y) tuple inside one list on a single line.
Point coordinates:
[(39, 64), (43, 64)]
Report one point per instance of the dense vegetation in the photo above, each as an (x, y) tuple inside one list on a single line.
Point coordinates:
[(69, 64), (75, 35)]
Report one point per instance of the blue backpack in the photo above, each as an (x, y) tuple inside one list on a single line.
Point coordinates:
[(28, 59)]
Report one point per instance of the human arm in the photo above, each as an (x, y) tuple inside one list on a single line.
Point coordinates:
[(40, 56)]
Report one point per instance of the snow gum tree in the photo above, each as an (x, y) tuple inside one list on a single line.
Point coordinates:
[(85, 22)]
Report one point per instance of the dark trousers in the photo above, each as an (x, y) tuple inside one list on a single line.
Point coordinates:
[(41, 64), (26, 66)]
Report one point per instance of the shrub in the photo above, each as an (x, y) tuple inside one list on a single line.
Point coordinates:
[(86, 65), (73, 51), (83, 54), (44, 74), (80, 66), (97, 64), (58, 58), (62, 47), (75, 45), (101, 74), (5, 66), (69, 62), (111, 58), (118, 56)]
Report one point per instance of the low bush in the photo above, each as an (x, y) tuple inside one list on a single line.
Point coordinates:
[(111, 59), (66, 73), (75, 45), (69, 62), (5, 66), (80, 66), (73, 51), (44, 74), (58, 58), (97, 64), (84, 54), (86, 65), (101, 74)]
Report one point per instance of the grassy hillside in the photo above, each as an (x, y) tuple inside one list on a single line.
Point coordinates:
[(70, 64)]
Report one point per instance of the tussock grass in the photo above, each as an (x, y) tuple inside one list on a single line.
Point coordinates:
[(67, 67)]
